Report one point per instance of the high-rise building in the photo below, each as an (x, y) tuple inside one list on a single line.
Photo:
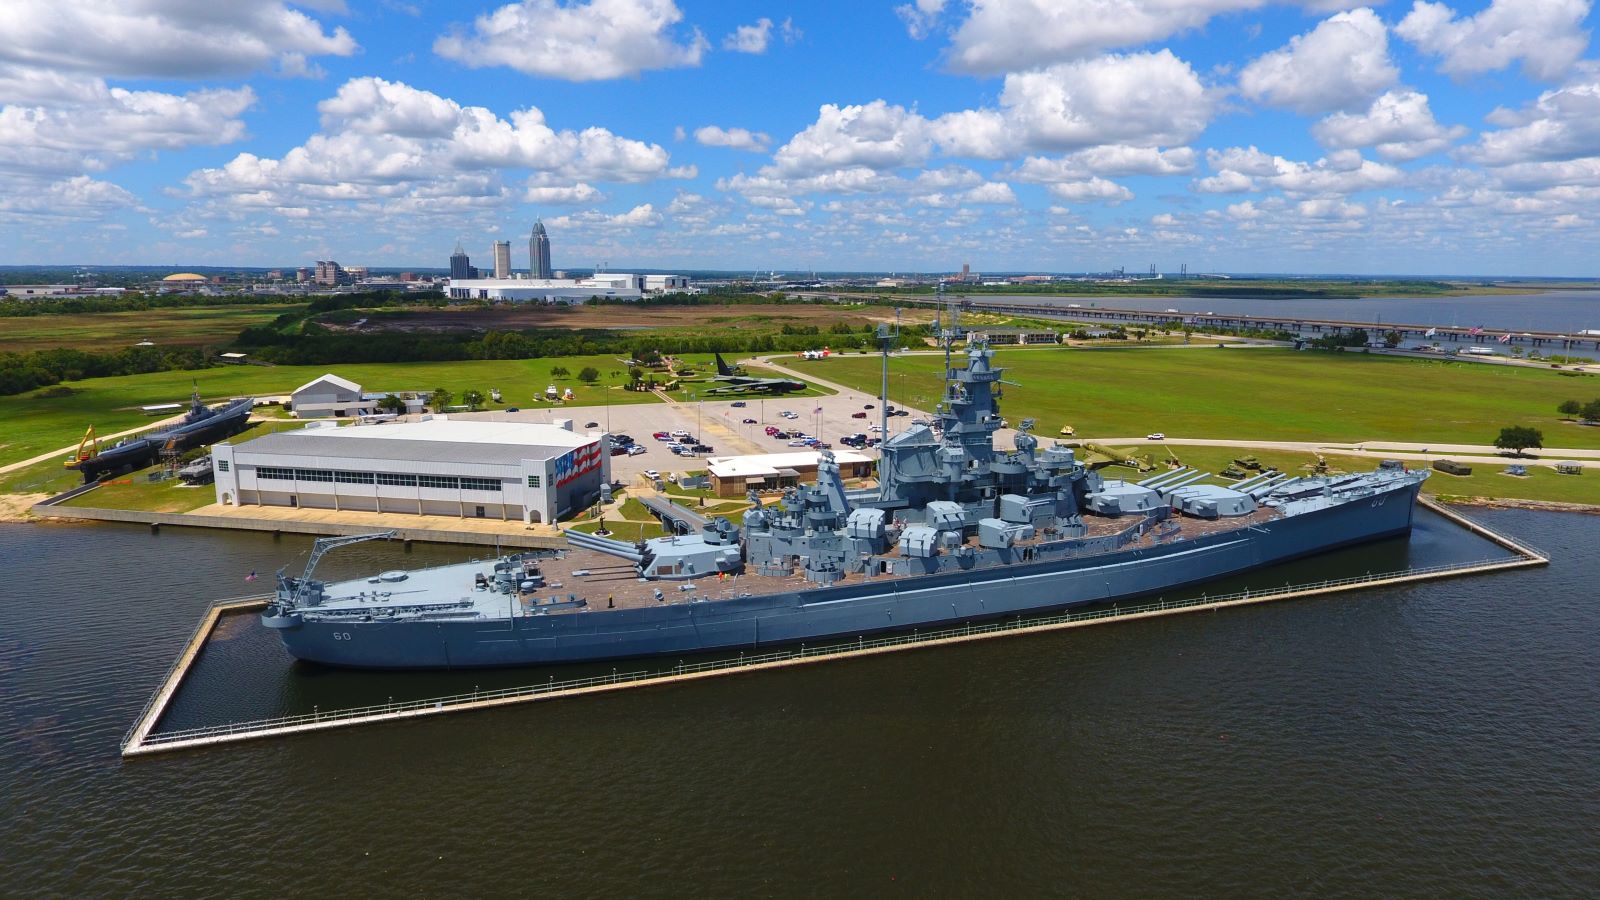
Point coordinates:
[(539, 251), (502, 259), (329, 272), (460, 263)]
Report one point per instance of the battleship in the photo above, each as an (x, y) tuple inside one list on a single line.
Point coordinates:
[(200, 426), (957, 530)]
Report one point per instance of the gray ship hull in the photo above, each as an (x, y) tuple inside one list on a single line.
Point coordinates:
[(856, 608)]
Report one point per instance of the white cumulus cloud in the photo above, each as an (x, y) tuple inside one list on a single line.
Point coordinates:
[(733, 138), (591, 41), (1342, 62), (1546, 36), (163, 38), (749, 38), (1398, 124)]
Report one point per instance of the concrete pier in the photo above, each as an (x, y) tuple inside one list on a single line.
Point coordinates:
[(140, 741)]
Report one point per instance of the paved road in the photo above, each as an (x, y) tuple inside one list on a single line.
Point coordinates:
[(106, 440)]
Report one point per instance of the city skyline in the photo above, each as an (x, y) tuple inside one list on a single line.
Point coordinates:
[(1312, 136)]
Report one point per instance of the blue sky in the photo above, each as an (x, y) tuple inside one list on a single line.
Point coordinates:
[(1455, 137)]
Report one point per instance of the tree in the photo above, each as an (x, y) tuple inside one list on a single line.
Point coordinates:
[(472, 398), (589, 375), (441, 399), (1590, 411), (1391, 339), (637, 374), (1570, 408), (1517, 438), (391, 403), (559, 372)]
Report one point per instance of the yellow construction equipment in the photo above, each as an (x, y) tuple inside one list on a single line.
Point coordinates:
[(1068, 430), (88, 448)]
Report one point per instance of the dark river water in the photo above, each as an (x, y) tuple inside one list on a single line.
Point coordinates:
[(1441, 739), (1563, 312)]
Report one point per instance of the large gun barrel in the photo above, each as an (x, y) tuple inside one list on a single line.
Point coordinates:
[(604, 545)]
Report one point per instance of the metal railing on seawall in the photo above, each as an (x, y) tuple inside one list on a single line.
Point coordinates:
[(142, 742), (153, 707)]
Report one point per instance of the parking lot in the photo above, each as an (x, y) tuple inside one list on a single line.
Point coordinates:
[(718, 423)]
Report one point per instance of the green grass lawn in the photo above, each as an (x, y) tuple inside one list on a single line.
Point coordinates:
[(137, 491), (1265, 394), (194, 326), (34, 424)]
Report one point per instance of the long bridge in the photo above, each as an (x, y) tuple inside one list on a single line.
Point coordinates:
[(1300, 326)]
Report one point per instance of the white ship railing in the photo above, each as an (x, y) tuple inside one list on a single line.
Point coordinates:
[(918, 636)]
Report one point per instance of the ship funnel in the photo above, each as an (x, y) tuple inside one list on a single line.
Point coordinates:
[(604, 545)]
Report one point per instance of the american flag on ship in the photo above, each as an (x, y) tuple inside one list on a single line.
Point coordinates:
[(1505, 338), (1476, 329), (577, 463)]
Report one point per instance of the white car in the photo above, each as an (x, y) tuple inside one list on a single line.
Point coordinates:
[(1156, 436), (636, 449), (652, 474), (797, 443)]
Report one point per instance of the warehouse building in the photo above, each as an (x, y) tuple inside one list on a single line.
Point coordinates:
[(734, 476), (329, 395), (439, 466)]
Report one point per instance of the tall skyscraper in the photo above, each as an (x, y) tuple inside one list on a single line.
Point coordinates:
[(539, 251), (502, 259), (460, 263)]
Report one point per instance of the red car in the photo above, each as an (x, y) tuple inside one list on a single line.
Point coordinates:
[(859, 415), (771, 430), (662, 436)]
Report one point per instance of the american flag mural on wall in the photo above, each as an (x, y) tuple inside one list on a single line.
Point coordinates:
[(577, 463)]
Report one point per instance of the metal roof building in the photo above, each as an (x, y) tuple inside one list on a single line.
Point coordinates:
[(438, 466)]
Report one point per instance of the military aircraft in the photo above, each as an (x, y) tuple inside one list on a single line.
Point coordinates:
[(749, 384)]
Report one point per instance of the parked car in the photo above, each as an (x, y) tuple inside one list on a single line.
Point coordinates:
[(591, 424), (513, 409), (772, 430), (683, 435), (635, 449), (703, 448), (662, 436), (869, 406), (822, 445), (622, 439), (1156, 436), (740, 404), (858, 415), (898, 412), (797, 443), (652, 474), (748, 422), (618, 450)]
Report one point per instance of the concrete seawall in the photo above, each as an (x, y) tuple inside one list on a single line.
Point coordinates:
[(539, 540)]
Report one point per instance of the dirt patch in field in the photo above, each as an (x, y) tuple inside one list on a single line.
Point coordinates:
[(733, 316), (14, 507)]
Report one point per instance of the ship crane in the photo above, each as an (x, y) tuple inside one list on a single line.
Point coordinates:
[(302, 589)]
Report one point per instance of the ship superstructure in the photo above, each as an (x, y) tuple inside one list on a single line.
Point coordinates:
[(956, 530)]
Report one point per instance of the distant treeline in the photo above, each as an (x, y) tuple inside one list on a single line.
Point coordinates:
[(316, 346), (132, 301), (1172, 287), (21, 372)]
